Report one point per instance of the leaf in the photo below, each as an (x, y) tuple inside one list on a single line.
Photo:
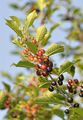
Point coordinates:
[(41, 4), (41, 32), (7, 86), (6, 75), (45, 40), (43, 79), (45, 85), (14, 6), (31, 17), (25, 64), (59, 113), (55, 71), (67, 67), (54, 48), (14, 24), (32, 47), (76, 114), (55, 26)]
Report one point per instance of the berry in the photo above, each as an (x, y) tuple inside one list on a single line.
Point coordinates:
[(70, 100), (43, 51), (76, 105), (70, 82), (82, 86), (81, 90), (76, 81), (67, 111), (38, 73), (54, 83), (49, 69), (74, 91), (44, 74), (81, 95), (51, 88), (37, 10), (43, 67), (61, 77), (50, 64), (60, 82), (70, 88)]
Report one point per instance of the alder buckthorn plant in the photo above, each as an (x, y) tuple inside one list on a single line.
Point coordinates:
[(50, 90)]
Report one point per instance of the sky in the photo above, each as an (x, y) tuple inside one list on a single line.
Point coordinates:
[(5, 45)]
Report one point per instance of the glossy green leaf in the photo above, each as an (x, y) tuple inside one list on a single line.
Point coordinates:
[(32, 47), (7, 86), (31, 17), (55, 26), (41, 32), (45, 85), (25, 64), (59, 113), (54, 48), (67, 67), (14, 24), (45, 40)]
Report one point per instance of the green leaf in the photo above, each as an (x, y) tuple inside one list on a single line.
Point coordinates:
[(41, 32), (25, 64), (32, 47), (14, 6), (67, 67), (45, 40), (59, 113), (54, 48), (14, 24), (45, 85), (6, 75), (55, 26), (55, 71), (42, 4), (31, 17), (43, 79), (7, 86), (76, 114)]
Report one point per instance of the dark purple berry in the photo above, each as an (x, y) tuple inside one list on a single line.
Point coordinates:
[(82, 86), (37, 10), (51, 88), (70, 100), (67, 111), (54, 83), (61, 77), (38, 73), (76, 105), (81, 95), (76, 81), (50, 64), (44, 74), (49, 69), (60, 82), (74, 91), (81, 90)]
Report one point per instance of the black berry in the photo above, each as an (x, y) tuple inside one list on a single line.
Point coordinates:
[(70, 100), (54, 83), (60, 82), (76, 81), (50, 64), (61, 77), (81, 95), (38, 72), (76, 105), (37, 10), (51, 88), (67, 111), (49, 69), (81, 90)]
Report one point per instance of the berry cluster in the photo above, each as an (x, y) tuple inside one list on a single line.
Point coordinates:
[(44, 68), (81, 91), (72, 85), (55, 83)]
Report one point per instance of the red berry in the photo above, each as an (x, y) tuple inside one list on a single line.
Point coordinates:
[(43, 51), (43, 67), (70, 82)]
